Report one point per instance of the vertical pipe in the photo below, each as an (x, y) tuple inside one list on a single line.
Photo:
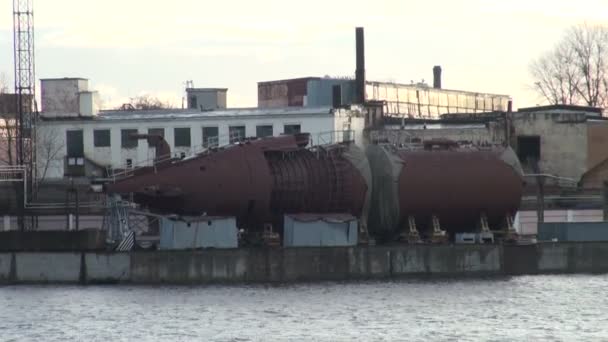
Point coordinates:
[(605, 193), (508, 124), (437, 77), (360, 72)]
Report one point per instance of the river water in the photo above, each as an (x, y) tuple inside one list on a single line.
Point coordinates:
[(529, 308)]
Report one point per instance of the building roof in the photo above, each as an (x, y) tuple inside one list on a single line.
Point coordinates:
[(287, 80), (206, 89), (418, 86), (561, 107), (65, 79), (185, 114)]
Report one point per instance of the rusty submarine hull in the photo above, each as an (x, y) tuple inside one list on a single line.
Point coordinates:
[(435, 185)]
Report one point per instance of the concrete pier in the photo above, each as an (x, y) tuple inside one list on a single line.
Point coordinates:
[(301, 264)]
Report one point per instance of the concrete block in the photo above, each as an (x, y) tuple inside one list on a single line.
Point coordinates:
[(5, 267), (108, 267), (379, 262), (552, 257), (146, 266), (189, 267), (588, 257), (334, 263), (440, 260), (259, 266), (301, 264), (358, 265), (409, 260), (226, 265), (481, 259), (48, 267), (520, 259)]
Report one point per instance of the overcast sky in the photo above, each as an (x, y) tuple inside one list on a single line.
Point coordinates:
[(129, 47)]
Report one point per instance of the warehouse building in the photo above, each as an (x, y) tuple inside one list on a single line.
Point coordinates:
[(76, 139)]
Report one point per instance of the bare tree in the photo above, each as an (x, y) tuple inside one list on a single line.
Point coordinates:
[(146, 102), (49, 145), (7, 123), (576, 70)]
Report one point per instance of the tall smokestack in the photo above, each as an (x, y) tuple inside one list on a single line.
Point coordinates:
[(360, 72), (437, 77)]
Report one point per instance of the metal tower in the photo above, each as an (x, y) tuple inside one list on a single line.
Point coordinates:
[(25, 89)]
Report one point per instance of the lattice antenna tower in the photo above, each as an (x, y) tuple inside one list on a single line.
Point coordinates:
[(25, 89)]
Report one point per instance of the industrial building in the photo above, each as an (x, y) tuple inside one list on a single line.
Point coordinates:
[(76, 139), (417, 100)]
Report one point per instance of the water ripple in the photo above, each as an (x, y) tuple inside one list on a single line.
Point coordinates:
[(534, 308)]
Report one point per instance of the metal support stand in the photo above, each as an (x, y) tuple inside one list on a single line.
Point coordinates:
[(363, 234), (270, 238), (439, 235), (485, 234), (411, 235), (511, 235)]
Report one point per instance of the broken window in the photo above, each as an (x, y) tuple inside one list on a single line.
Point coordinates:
[(236, 133), (528, 148), (291, 129), (210, 136), (126, 141), (263, 131), (182, 137), (101, 138)]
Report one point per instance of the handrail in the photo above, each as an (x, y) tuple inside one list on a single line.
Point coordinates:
[(335, 136), (126, 170)]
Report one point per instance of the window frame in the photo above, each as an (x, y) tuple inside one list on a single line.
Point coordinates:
[(96, 138), (125, 142), (241, 138), (257, 130), (183, 143), (204, 137), (292, 124)]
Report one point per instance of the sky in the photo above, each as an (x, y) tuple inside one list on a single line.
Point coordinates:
[(134, 47)]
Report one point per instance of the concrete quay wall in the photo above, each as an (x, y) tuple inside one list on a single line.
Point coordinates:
[(300, 264)]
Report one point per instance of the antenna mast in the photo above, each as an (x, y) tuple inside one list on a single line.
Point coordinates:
[(25, 90)]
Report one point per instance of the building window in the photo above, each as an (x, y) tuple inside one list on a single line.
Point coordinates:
[(528, 149), (210, 137), (126, 141), (291, 129), (156, 131), (236, 133), (101, 138), (74, 143), (182, 137), (263, 131)]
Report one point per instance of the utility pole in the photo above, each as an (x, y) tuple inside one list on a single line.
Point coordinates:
[(25, 90)]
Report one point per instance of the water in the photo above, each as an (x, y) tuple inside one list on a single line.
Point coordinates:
[(531, 308)]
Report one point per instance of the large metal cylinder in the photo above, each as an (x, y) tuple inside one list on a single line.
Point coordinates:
[(457, 185), (257, 182)]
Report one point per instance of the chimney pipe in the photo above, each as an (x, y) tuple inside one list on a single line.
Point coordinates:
[(360, 72), (437, 77)]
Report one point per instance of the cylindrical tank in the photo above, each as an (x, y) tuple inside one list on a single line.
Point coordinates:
[(257, 182), (457, 185)]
